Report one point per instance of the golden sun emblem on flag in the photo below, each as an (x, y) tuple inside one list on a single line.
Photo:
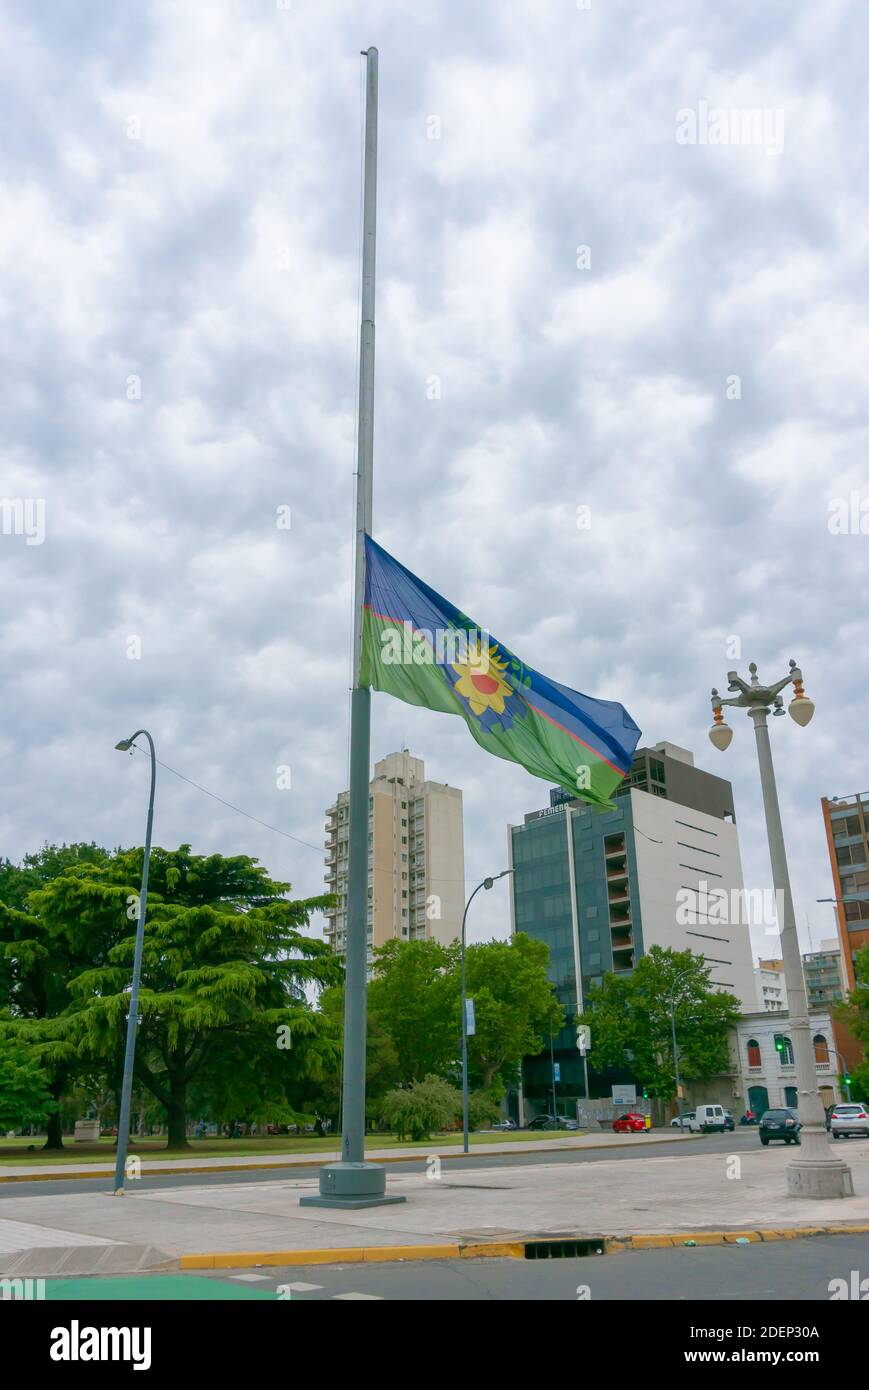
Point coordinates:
[(481, 680)]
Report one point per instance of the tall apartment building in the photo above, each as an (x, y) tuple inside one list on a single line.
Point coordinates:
[(602, 887), (846, 821), (416, 861), (822, 971), (772, 995)]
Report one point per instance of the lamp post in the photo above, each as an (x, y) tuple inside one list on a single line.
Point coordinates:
[(133, 1016), (676, 1057), (487, 884), (815, 1172)]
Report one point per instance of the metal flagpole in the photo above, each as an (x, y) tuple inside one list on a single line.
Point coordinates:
[(352, 1182)]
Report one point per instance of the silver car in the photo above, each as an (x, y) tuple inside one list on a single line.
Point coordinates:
[(684, 1123), (849, 1119)]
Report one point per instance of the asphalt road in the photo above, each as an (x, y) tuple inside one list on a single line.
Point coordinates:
[(799, 1270), (737, 1142)]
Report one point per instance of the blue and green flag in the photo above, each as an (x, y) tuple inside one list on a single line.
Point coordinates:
[(420, 648)]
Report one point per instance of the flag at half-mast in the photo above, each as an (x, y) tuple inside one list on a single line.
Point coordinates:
[(420, 648)]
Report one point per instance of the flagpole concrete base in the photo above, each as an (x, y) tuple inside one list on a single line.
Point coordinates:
[(351, 1185)]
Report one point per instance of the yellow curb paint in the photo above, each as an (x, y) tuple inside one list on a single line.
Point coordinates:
[(613, 1245), (373, 1253), (245, 1259)]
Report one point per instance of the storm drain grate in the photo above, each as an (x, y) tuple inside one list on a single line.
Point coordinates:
[(563, 1249)]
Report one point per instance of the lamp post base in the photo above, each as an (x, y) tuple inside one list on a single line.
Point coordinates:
[(351, 1185), (827, 1178)]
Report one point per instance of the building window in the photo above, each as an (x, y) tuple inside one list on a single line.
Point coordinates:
[(753, 1050), (822, 1051)]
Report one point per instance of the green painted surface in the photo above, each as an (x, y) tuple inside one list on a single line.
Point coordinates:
[(172, 1288)]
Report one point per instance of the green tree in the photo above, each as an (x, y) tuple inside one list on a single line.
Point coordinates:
[(429, 1104), (483, 1109), (318, 1094), (411, 999), (515, 1006), (25, 1097), (629, 1016), (36, 966), (224, 972)]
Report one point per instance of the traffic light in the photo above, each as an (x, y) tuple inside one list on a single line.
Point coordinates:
[(779, 1043), (645, 1093)]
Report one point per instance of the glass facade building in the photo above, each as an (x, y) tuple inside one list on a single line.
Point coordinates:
[(601, 887)]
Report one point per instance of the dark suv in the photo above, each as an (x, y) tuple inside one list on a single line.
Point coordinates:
[(780, 1124)]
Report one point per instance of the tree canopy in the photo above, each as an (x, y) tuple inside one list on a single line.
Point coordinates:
[(225, 968), (630, 1020)]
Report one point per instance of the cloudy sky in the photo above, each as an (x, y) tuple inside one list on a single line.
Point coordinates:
[(595, 290)]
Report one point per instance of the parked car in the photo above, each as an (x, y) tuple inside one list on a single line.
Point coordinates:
[(684, 1122), (709, 1119), (632, 1122), (849, 1119), (780, 1124), (553, 1122), (499, 1125)]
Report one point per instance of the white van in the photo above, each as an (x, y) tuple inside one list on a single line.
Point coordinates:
[(708, 1119)]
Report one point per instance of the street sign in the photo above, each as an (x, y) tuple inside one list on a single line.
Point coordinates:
[(557, 1070), (583, 1038), (470, 1021)]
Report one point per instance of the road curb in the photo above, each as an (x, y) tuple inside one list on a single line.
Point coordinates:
[(320, 1162), (517, 1249)]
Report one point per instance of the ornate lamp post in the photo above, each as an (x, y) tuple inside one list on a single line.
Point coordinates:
[(816, 1171)]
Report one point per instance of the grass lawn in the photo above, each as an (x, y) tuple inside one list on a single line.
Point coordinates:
[(16, 1151)]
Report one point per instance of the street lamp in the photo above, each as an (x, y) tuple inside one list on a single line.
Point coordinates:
[(487, 884), (133, 1016), (676, 1056), (816, 1172)]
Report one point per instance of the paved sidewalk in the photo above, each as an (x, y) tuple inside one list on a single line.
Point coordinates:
[(238, 1163), (248, 1222)]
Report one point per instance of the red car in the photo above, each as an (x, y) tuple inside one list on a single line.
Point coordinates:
[(629, 1123)]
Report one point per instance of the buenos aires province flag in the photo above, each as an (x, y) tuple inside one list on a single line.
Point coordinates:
[(420, 648)]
